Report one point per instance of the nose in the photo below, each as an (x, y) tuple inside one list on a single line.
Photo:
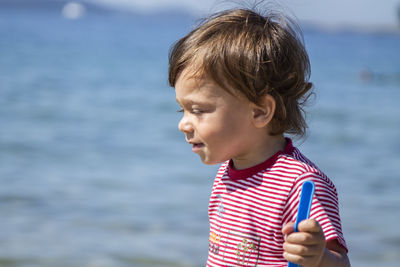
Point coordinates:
[(184, 125)]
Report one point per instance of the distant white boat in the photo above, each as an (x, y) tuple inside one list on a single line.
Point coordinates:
[(73, 10)]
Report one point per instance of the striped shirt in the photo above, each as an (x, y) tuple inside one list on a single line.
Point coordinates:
[(248, 209)]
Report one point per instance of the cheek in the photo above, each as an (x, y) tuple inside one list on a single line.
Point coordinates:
[(208, 129), (220, 129), (235, 122)]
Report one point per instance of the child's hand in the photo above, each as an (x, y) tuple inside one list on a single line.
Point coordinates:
[(305, 247)]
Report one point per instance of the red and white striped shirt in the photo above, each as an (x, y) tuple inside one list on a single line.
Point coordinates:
[(248, 209)]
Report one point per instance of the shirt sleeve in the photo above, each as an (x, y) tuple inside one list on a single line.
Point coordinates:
[(324, 207)]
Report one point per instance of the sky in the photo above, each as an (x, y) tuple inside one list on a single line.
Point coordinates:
[(328, 13)]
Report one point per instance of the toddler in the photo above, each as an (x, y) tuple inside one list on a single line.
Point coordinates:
[(241, 79)]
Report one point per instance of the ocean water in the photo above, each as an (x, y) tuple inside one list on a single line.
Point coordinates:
[(94, 172)]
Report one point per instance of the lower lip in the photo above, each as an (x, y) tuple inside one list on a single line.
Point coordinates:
[(197, 147)]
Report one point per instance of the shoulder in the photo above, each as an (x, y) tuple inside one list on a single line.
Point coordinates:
[(222, 170), (303, 169), (299, 163), (296, 160), (325, 194)]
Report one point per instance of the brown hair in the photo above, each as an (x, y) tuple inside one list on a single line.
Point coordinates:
[(253, 54)]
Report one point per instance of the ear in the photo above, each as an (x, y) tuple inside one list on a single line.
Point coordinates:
[(263, 112)]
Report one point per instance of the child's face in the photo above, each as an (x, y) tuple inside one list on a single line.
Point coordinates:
[(216, 123)]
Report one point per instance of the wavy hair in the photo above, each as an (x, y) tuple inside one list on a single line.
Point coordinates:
[(255, 55)]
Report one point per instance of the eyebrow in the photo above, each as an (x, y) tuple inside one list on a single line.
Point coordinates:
[(191, 102)]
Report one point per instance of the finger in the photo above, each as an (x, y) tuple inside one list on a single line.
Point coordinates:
[(309, 225), (288, 228), (305, 238), (301, 250), (293, 258), (297, 259)]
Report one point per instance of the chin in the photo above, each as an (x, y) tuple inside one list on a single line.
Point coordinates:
[(211, 162)]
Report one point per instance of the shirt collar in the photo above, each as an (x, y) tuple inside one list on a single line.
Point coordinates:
[(245, 173)]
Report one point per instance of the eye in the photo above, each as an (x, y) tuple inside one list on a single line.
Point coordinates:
[(196, 111), (180, 110)]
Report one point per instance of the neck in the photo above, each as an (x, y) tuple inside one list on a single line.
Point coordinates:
[(260, 152)]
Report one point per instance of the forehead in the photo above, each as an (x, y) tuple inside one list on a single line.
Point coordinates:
[(196, 79), (192, 82), (191, 90)]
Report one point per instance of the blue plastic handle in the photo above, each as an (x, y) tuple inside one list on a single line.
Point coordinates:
[(306, 196)]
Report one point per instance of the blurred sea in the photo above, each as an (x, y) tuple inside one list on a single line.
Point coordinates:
[(94, 172)]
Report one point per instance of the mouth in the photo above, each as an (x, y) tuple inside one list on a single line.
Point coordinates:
[(196, 146)]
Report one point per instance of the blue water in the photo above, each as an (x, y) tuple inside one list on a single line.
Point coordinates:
[(94, 172)]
